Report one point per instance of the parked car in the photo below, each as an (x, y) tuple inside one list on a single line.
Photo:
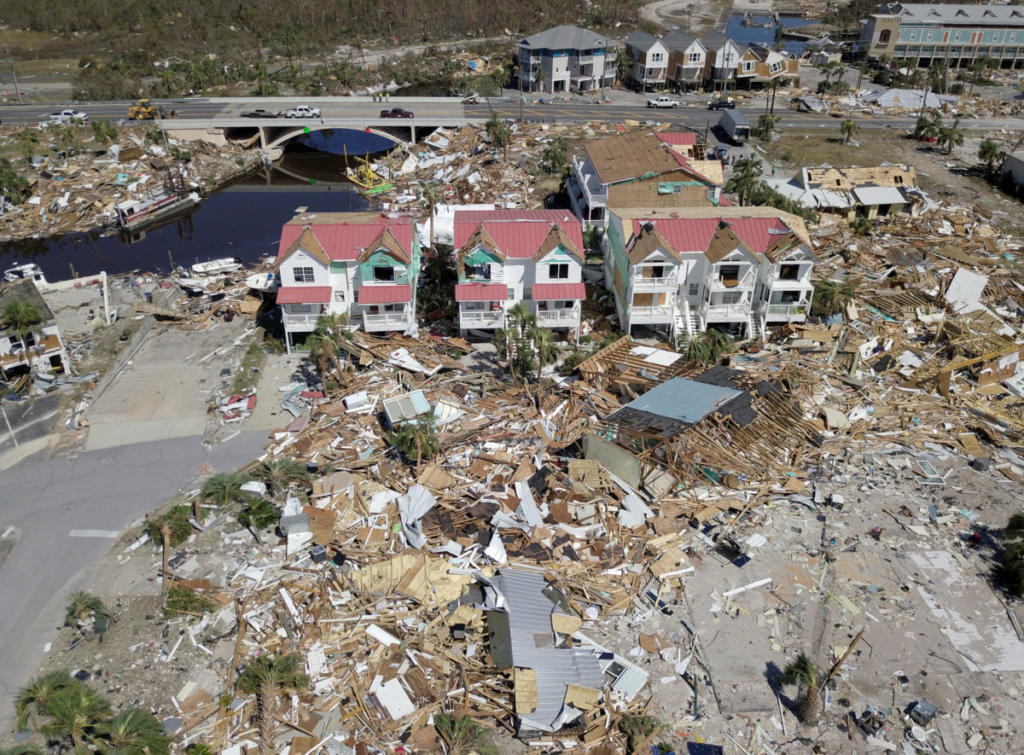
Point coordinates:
[(302, 111), (69, 116), (474, 100), (260, 113), (721, 105), (662, 102), (396, 112)]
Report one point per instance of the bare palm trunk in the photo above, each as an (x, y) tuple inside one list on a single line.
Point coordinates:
[(809, 703), (266, 702)]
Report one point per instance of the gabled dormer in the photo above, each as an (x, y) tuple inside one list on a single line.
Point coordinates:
[(732, 261), (305, 262), (384, 261), (480, 259)]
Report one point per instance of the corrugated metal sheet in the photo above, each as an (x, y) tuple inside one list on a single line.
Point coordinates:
[(683, 400), (678, 138), (878, 195), (529, 616), (557, 291), (694, 234), (303, 294), (383, 294), (343, 235), (481, 292), (518, 233)]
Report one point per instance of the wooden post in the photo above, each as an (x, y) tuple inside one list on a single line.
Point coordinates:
[(165, 531), (841, 661)]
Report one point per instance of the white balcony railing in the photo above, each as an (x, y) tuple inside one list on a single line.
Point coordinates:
[(785, 310), (300, 322), (665, 283), (726, 311), (651, 315), (385, 321), (558, 318), (482, 319), (717, 283)]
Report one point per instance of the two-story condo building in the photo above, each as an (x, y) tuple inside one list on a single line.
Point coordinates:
[(356, 263), (649, 56), (641, 169), (721, 61), (565, 59), (736, 269), (508, 256), (686, 60), (955, 35)]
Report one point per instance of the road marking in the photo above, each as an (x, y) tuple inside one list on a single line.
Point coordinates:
[(7, 531), (94, 533)]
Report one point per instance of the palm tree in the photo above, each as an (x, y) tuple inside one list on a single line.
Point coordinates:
[(802, 672), (709, 347), (33, 699), (267, 677), (951, 137), (848, 129), (555, 157), (222, 489), (538, 76), (322, 351), (258, 515), (21, 317), (104, 131), (545, 346), (831, 297), (280, 473), (744, 179), (82, 605), (75, 711), (990, 153), (499, 133), (927, 126), (134, 732), (417, 439), (430, 196), (765, 126)]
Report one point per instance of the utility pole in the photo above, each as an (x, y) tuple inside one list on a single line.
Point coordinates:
[(14, 75)]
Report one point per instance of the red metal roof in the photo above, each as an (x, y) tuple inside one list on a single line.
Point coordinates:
[(677, 137), (694, 234), (555, 291), (304, 294), (519, 233), (481, 292), (384, 294), (346, 241)]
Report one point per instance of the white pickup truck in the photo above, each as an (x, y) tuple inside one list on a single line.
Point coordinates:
[(662, 102), (302, 111)]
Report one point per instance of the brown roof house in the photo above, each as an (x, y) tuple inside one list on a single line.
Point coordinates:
[(641, 169)]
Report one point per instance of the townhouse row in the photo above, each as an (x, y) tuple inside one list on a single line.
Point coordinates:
[(571, 59), (675, 271)]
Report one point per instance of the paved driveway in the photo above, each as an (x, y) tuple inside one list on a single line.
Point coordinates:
[(65, 514)]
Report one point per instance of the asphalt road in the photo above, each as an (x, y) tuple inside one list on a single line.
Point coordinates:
[(344, 111), (66, 515)]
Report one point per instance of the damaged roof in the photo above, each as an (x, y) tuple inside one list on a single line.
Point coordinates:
[(521, 234), (24, 290), (345, 236)]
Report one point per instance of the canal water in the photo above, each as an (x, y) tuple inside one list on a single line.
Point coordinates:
[(243, 220), (764, 31)]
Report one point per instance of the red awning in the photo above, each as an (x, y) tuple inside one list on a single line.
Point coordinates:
[(384, 294), (304, 294), (481, 292), (559, 291)]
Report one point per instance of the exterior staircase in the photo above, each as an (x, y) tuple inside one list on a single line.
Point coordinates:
[(754, 330), (683, 324)]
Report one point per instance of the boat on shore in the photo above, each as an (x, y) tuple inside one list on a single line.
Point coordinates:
[(135, 214), (366, 178), (26, 270), (216, 266), (263, 282)]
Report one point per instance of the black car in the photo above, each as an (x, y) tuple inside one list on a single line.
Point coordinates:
[(259, 114), (396, 112), (722, 105)]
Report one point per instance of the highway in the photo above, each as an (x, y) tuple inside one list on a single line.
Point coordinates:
[(361, 112)]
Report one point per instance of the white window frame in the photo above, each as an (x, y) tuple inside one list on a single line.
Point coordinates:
[(558, 267), (304, 274)]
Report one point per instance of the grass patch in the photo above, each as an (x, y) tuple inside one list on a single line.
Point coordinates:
[(246, 378), (177, 521), (183, 601)]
